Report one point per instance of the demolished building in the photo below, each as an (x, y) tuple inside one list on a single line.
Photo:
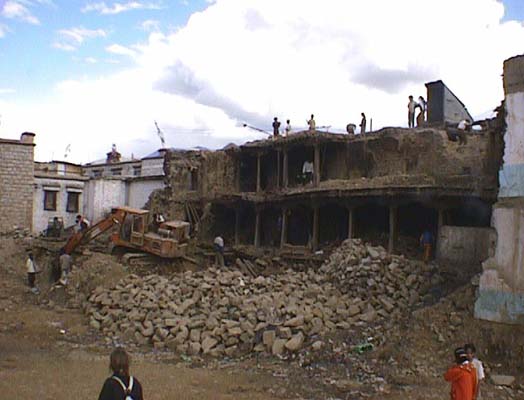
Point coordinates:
[(381, 184), (501, 292)]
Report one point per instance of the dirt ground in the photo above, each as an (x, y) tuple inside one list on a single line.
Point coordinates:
[(48, 352)]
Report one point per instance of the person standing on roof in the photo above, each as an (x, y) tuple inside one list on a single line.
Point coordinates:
[(311, 123), (422, 105), (288, 128), (276, 127), (363, 123), (411, 112)]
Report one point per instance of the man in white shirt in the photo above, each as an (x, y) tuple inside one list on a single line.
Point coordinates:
[(32, 270), (218, 244), (288, 128), (307, 171), (312, 124), (470, 352), (411, 112)]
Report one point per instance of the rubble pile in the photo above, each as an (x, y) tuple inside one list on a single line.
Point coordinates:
[(387, 281), (225, 312)]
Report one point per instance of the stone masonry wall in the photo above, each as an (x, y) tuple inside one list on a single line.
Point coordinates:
[(16, 185)]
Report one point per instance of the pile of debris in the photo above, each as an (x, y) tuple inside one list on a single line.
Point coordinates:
[(223, 311)]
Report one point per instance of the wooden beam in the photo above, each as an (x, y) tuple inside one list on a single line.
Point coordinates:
[(350, 222), (316, 166), (283, 228), (257, 228), (278, 168), (285, 169), (392, 228), (316, 212), (259, 165), (237, 227)]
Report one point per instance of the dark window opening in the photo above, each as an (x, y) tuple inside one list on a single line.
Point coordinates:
[(270, 227), (116, 171), (73, 201), (193, 179), (223, 224), (248, 173), (371, 223), (50, 200), (270, 170), (471, 212), (97, 173), (137, 171), (333, 224), (300, 223)]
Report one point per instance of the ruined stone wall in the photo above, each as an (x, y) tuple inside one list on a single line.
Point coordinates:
[(427, 152), (501, 291), (16, 185)]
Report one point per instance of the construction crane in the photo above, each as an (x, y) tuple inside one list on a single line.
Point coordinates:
[(160, 135)]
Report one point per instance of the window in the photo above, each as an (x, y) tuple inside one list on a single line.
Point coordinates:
[(50, 200), (116, 171), (137, 171), (97, 173), (73, 200), (193, 179)]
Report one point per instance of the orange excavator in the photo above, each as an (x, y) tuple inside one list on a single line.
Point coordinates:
[(168, 239)]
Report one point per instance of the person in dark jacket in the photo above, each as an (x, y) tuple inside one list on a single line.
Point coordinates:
[(120, 385)]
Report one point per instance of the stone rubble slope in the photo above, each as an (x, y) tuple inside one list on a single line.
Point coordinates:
[(224, 312)]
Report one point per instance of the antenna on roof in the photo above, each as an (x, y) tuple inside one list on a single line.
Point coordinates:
[(160, 135)]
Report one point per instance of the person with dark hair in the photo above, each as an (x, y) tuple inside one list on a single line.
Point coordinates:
[(121, 385), (276, 127), (312, 124), (363, 123), (426, 241), (470, 352), (462, 376), (32, 270)]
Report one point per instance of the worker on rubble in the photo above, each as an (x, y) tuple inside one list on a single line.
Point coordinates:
[(276, 128), (311, 123), (462, 376), (426, 241), (470, 352), (218, 245), (412, 104), (32, 270), (65, 266), (463, 127)]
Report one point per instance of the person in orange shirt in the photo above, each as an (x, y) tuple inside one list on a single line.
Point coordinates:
[(462, 376)]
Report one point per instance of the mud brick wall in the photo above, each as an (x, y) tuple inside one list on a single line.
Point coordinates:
[(16, 185)]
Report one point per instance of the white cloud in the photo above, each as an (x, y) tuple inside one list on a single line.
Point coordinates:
[(71, 39), (7, 91), (117, 8), (3, 30), (19, 9), (90, 60), (121, 50), (249, 61), (150, 25)]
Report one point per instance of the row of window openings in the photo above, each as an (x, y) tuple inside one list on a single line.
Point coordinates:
[(50, 197), (97, 173)]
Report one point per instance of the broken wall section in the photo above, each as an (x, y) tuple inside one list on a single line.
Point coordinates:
[(501, 292)]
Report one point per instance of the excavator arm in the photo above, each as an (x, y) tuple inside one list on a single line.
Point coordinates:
[(82, 237)]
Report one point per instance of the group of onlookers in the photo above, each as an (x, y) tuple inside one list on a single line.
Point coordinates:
[(466, 374)]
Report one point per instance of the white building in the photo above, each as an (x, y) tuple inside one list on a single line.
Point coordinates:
[(58, 192), (116, 181)]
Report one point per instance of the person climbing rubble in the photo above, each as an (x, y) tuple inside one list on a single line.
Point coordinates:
[(470, 352), (65, 267), (422, 106), (426, 241), (218, 245)]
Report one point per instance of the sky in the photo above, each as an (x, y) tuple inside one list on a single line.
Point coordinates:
[(84, 74)]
